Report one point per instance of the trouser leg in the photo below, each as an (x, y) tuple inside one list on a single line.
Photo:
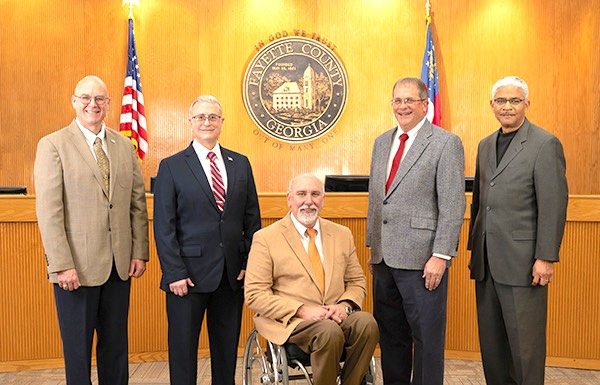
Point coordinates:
[(493, 340), (426, 314), (224, 320), (361, 336), (77, 319), (524, 310), (395, 334), (111, 330), (324, 341), (185, 316)]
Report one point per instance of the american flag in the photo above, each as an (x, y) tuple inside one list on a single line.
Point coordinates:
[(133, 119), (429, 76)]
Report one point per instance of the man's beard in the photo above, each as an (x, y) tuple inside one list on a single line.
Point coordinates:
[(308, 218)]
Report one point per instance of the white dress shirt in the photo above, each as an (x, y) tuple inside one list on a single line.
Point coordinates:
[(90, 138), (202, 153), (412, 134), (305, 238)]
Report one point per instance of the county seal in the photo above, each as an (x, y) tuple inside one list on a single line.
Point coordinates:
[(295, 89)]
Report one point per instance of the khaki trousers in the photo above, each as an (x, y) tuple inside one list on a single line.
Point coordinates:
[(326, 340)]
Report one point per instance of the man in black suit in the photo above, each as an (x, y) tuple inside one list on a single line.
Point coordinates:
[(518, 216), (205, 214)]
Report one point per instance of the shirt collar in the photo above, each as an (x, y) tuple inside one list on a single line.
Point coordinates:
[(301, 228), (202, 151), (413, 131), (90, 137)]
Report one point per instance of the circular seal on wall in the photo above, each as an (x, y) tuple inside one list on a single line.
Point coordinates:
[(295, 89)]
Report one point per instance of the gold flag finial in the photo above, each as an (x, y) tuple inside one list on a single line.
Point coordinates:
[(130, 4)]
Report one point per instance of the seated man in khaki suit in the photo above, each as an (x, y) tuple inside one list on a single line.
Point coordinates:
[(308, 288)]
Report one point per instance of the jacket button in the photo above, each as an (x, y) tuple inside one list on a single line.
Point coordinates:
[(221, 244), (110, 206), (488, 208), (385, 202), (385, 221), (492, 184)]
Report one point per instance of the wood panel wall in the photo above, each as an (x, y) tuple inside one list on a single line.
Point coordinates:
[(29, 335), (192, 47)]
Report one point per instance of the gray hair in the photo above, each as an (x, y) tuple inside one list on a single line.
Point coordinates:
[(415, 82), (511, 81), (205, 99), (306, 175)]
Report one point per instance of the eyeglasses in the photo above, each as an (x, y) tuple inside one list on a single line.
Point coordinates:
[(87, 99), (511, 101), (407, 101), (201, 118)]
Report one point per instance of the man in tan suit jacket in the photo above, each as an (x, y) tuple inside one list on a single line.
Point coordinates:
[(91, 210), (314, 304)]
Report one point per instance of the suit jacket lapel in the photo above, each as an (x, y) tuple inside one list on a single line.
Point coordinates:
[(230, 169), (113, 158), (82, 147), (293, 238), (492, 152), (191, 158), (514, 148), (414, 152), (380, 163), (328, 241)]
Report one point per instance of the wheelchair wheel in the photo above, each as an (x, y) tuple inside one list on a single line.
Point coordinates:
[(369, 378), (263, 362)]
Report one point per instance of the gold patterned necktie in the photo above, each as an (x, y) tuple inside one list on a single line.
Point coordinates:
[(103, 163), (315, 259)]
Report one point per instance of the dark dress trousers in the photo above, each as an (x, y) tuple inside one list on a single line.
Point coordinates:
[(194, 239), (517, 216)]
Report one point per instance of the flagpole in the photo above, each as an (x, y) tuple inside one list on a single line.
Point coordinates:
[(427, 12)]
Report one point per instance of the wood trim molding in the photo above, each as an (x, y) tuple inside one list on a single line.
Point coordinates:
[(21, 208)]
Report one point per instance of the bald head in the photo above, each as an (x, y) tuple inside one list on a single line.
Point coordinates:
[(90, 102), (86, 81)]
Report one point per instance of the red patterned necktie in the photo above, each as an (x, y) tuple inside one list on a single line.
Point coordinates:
[(217, 181), (396, 162)]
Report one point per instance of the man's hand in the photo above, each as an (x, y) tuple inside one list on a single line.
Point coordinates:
[(68, 279), (313, 313), (180, 287), (242, 275), (137, 268), (433, 272), (542, 272), (338, 312)]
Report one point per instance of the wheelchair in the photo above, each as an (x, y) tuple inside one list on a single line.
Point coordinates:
[(266, 363)]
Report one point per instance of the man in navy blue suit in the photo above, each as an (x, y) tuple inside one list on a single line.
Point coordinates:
[(205, 214)]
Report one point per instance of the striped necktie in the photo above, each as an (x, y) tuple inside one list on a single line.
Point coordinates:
[(103, 163), (217, 181)]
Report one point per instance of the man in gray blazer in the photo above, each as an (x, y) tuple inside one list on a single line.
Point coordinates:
[(416, 209), (91, 210), (517, 221)]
